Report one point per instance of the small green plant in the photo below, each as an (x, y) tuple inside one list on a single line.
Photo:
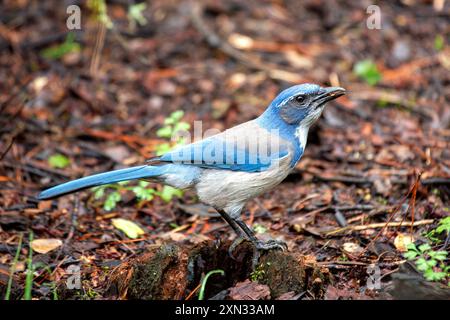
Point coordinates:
[(13, 268), (100, 12), (58, 161), (172, 126), (30, 270), (257, 274), (201, 294), (135, 16), (38, 266), (368, 71), (259, 228), (59, 51), (438, 42), (432, 262), (443, 227)]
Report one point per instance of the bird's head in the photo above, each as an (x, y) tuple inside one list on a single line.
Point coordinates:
[(302, 105)]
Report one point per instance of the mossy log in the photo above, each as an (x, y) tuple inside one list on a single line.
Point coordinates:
[(174, 270)]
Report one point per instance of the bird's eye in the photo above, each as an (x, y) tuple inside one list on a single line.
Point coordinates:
[(300, 98)]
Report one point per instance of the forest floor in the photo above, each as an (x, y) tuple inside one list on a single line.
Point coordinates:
[(374, 176)]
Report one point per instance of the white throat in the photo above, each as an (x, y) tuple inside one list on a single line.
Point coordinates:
[(302, 135)]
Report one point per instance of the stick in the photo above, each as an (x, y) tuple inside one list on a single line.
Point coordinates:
[(381, 225)]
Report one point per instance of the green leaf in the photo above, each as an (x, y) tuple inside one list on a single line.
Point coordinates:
[(169, 121), (58, 161), (181, 141), (181, 126), (368, 71), (410, 255), (162, 149), (99, 192), (432, 275), (58, 51), (177, 115), (111, 200), (164, 132), (99, 10), (259, 228), (444, 225), (135, 13), (143, 183), (131, 229), (143, 193), (438, 42), (431, 263), (421, 264), (438, 255), (411, 246), (424, 247), (169, 192)]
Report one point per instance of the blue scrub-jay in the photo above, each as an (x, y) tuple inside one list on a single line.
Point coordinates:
[(230, 168)]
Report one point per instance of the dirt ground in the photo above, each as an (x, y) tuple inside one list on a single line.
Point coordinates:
[(376, 168)]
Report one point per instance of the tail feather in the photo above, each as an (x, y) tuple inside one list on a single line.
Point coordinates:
[(100, 179)]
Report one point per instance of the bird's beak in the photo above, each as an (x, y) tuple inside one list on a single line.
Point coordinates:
[(330, 93)]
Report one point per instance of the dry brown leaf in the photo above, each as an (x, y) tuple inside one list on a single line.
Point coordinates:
[(352, 248), (45, 245), (402, 240)]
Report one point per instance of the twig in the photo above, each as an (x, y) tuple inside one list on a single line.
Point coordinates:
[(350, 263), (381, 225), (99, 43), (193, 291), (435, 180), (412, 203)]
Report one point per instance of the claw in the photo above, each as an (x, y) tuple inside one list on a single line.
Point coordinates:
[(271, 245), (234, 245), (266, 245)]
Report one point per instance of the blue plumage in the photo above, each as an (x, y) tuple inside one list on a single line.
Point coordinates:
[(230, 168), (138, 172), (219, 153)]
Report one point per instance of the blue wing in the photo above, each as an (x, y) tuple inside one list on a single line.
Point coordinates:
[(232, 150)]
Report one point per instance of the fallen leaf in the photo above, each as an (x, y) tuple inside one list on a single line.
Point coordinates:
[(131, 229), (45, 205), (402, 240), (352, 248), (45, 245)]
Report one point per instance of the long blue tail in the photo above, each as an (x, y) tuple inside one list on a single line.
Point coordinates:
[(100, 179)]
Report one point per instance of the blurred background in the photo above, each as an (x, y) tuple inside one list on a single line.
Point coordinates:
[(88, 86)]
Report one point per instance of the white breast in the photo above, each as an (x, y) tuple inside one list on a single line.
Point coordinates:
[(301, 133), (230, 190)]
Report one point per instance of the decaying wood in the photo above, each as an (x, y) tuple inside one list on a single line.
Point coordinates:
[(172, 271)]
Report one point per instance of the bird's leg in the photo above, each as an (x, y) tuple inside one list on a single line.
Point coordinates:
[(261, 245), (245, 233), (241, 235)]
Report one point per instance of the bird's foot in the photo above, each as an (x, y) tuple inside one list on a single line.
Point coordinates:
[(234, 245), (271, 245), (266, 246), (259, 246)]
